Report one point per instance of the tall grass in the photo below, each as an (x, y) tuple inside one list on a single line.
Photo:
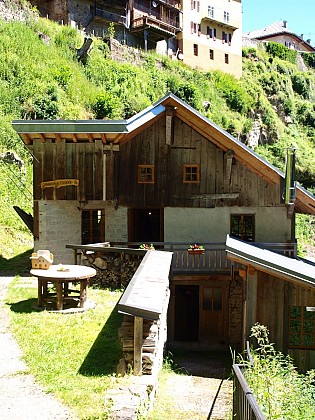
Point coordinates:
[(281, 392)]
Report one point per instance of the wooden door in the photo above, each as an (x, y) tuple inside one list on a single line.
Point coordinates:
[(214, 314), (186, 325)]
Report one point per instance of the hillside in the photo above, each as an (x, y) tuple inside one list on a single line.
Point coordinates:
[(271, 108)]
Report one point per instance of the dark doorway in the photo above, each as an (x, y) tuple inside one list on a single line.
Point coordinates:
[(146, 225), (186, 313)]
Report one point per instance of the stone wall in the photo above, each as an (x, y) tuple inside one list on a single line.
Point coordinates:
[(59, 223), (116, 227), (236, 312), (14, 10)]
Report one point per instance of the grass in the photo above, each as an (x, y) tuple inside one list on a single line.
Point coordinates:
[(74, 355)]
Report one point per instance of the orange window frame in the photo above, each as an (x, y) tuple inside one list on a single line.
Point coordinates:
[(191, 174), (146, 174)]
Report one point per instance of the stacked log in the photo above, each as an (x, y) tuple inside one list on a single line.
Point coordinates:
[(149, 344), (113, 270)]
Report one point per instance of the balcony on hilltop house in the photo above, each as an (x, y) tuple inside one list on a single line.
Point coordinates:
[(160, 20)]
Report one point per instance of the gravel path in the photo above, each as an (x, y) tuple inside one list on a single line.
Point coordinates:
[(21, 398)]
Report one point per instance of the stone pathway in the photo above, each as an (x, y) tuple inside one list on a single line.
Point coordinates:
[(21, 398)]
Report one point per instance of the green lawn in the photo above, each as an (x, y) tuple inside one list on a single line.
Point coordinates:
[(73, 355)]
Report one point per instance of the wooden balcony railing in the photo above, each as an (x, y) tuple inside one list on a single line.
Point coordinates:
[(213, 260)]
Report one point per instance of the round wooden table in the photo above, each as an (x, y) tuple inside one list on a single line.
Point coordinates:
[(61, 276)]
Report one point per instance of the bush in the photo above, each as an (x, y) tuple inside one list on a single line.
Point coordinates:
[(106, 106), (281, 51)]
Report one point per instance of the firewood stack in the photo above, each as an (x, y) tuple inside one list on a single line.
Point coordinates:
[(150, 342)]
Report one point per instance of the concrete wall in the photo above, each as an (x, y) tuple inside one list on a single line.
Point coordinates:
[(116, 223), (59, 224), (212, 225)]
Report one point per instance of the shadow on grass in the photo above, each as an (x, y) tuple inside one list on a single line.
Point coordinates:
[(24, 306), (18, 265), (103, 357)]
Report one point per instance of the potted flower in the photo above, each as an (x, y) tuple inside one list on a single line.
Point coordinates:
[(147, 247), (196, 249)]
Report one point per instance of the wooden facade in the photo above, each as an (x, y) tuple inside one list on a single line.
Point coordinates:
[(170, 176)]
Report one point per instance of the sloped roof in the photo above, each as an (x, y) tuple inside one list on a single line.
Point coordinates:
[(275, 29), (291, 269), (115, 132)]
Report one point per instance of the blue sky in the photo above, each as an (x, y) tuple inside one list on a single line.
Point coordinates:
[(300, 15)]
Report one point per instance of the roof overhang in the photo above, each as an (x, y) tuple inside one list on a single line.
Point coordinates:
[(290, 269)]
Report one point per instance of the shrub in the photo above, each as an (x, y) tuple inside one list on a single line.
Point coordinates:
[(107, 106), (281, 51)]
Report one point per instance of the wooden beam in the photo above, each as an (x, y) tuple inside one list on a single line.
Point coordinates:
[(90, 137), (138, 339), (74, 138), (58, 138), (103, 138), (42, 138)]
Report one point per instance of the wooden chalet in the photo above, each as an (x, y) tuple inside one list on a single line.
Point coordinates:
[(171, 177)]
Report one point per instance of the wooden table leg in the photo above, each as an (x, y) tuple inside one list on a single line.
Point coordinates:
[(83, 292), (59, 298), (40, 292)]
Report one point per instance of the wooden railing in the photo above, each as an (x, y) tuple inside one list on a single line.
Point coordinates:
[(213, 260)]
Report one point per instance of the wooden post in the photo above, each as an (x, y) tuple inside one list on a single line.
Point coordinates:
[(251, 304), (137, 345), (83, 292), (59, 297)]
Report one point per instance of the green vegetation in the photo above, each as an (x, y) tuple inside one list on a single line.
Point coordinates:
[(281, 392), (73, 355), (41, 78)]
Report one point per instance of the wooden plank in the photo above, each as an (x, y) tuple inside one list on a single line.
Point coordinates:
[(98, 170), (48, 169), (37, 169), (60, 167), (138, 338)]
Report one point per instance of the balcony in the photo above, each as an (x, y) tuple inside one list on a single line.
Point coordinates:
[(218, 19), (213, 260), (160, 27)]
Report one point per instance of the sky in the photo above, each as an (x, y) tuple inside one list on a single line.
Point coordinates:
[(300, 15)]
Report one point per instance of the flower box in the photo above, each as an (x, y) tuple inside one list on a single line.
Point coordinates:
[(195, 251)]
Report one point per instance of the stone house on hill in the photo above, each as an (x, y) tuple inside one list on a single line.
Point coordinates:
[(279, 32), (171, 177)]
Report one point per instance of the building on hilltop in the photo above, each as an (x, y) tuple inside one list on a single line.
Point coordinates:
[(279, 32), (201, 34)]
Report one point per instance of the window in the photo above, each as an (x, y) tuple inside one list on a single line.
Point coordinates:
[(212, 299), (195, 5), (226, 17), (226, 37), (191, 174), (243, 227), (211, 12), (195, 49), (146, 174), (302, 326), (226, 58), (93, 226), (211, 54), (211, 33)]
